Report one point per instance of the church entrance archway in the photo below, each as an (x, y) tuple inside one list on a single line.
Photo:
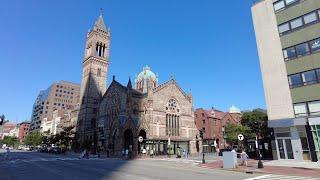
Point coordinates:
[(142, 145), (128, 140)]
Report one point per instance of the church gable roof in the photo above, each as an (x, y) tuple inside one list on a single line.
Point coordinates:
[(124, 89), (171, 82)]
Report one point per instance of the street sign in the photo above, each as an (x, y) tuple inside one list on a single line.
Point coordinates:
[(240, 137), (140, 139)]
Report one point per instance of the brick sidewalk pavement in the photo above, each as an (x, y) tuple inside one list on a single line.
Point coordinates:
[(253, 164)]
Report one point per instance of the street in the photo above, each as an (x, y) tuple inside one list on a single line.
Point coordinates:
[(33, 165)]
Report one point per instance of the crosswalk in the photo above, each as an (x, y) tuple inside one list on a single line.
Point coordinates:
[(281, 177), (187, 161)]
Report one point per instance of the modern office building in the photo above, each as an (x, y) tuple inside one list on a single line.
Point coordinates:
[(288, 41), (62, 95)]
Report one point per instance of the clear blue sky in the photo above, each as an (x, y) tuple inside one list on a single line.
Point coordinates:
[(209, 46)]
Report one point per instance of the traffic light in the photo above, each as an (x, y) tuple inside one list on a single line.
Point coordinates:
[(201, 132)]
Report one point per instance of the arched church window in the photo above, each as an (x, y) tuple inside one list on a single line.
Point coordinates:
[(172, 118)]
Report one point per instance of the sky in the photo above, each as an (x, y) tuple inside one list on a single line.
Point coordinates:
[(208, 46)]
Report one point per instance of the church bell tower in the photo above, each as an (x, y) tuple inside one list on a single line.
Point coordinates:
[(94, 75)]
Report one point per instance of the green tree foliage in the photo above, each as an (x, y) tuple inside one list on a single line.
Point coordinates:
[(232, 131), (34, 139), (10, 141), (257, 121)]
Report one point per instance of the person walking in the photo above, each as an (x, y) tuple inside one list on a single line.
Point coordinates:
[(244, 158), (127, 152), (123, 154), (7, 153)]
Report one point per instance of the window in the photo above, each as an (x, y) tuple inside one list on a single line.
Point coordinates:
[(278, 5), (284, 28), (315, 45), (295, 80), (309, 77), (302, 49), (300, 109), (204, 121), (309, 18), (296, 23), (301, 21), (314, 108), (289, 53), (289, 2)]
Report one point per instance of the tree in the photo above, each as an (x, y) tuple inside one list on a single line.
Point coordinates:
[(34, 139), (232, 131), (10, 141), (257, 121), (2, 119)]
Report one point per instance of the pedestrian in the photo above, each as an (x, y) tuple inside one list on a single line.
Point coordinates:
[(127, 152), (123, 154), (244, 158), (7, 153), (151, 153), (184, 153)]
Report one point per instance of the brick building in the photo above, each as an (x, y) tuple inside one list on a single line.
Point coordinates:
[(213, 122), (23, 130)]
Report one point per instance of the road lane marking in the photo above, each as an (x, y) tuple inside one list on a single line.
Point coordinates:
[(281, 177)]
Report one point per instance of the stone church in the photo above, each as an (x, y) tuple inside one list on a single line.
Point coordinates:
[(114, 118)]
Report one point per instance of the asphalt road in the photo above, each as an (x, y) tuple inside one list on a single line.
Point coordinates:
[(42, 166)]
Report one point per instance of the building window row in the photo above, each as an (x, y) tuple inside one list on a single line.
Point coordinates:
[(300, 22), (60, 86), (283, 4), (172, 125), (304, 78), (302, 49), (307, 109)]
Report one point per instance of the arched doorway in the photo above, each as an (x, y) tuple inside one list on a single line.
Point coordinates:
[(128, 140), (142, 145)]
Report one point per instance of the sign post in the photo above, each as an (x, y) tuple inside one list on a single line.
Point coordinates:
[(241, 137)]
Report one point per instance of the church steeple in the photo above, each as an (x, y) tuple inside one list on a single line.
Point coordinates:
[(99, 24)]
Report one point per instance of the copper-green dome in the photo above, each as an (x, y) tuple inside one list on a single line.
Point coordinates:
[(146, 74)]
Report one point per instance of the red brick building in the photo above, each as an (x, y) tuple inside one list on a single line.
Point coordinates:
[(213, 122), (23, 130)]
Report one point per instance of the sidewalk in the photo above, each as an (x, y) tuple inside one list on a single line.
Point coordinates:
[(308, 169)]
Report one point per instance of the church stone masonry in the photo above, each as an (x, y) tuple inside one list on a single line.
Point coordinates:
[(114, 118), (94, 74)]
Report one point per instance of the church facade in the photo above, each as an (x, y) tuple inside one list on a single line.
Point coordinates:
[(114, 119)]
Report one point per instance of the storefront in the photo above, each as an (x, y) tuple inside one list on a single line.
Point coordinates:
[(290, 139), (315, 129), (161, 147)]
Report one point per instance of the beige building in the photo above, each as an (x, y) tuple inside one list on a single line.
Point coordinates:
[(288, 41), (62, 95)]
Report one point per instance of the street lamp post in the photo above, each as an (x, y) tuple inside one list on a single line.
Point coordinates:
[(202, 131)]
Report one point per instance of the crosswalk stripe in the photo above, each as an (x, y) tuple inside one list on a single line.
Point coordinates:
[(281, 177)]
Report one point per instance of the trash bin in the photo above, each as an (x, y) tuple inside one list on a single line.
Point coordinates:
[(229, 160)]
